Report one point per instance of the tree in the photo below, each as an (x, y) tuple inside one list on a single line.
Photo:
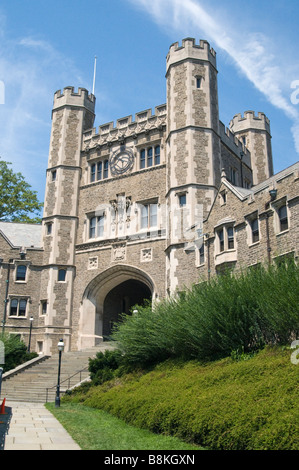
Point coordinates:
[(18, 202)]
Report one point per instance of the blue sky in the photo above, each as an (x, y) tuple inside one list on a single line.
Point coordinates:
[(45, 46)]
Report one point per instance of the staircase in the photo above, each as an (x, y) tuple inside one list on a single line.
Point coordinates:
[(38, 382)]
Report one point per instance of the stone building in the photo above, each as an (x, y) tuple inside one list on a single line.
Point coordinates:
[(134, 210)]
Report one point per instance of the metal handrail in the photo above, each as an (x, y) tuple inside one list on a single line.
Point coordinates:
[(65, 380)]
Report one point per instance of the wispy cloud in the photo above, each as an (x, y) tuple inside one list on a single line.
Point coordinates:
[(29, 68), (252, 53)]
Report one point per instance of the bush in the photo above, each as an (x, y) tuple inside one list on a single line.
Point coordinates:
[(15, 351), (223, 405), (104, 366), (235, 312)]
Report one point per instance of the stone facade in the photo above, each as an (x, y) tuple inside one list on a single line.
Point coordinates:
[(135, 210)]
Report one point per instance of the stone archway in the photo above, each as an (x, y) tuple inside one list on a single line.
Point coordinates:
[(120, 300), (107, 295)]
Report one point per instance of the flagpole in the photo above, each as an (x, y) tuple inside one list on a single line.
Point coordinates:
[(94, 74)]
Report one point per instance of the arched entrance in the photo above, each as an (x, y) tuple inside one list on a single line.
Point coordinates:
[(120, 300), (107, 296)]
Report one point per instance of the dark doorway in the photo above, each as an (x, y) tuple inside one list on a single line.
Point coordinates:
[(120, 300)]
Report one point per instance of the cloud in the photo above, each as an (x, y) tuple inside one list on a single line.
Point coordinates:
[(29, 68), (252, 53)]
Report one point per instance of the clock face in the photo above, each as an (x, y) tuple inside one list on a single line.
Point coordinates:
[(121, 162)]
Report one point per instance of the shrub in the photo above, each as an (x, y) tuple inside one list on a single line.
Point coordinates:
[(102, 368), (15, 351), (223, 405), (235, 312)]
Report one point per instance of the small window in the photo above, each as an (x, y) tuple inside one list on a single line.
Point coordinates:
[(221, 240), (99, 171), (22, 308), (92, 227), (61, 275), (96, 226), (157, 155), (100, 226), (283, 218), (182, 200), (150, 157), (233, 175), (223, 197), (142, 159), (49, 228), (44, 305), (13, 308), (18, 307), (93, 172), (21, 273), (198, 82), (202, 254), (255, 230), (230, 238), (149, 216), (106, 167), (54, 174)]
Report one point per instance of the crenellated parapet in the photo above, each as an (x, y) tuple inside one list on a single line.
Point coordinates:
[(126, 127), (250, 121), (231, 141), (190, 50), (68, 97)]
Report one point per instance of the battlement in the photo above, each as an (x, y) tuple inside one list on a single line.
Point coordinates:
[(190, 50), (229, 139), (68, 97), (250, 121), (126, 127)]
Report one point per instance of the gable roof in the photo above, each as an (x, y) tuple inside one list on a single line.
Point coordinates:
[(20, 234)]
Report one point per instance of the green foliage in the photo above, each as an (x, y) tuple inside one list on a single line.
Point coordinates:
[(15, 352), (18, 202), (232, 313), (96, 430), (104, 366), (223, 405)]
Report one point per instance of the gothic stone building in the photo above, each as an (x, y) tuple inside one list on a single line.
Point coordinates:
[(144, 208)]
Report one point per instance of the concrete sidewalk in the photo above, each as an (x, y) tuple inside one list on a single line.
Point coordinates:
[(33, 427)]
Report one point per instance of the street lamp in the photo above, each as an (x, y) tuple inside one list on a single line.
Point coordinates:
[(60, 346), (30, 332)]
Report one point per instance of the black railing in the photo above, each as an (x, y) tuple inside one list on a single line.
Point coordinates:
[(66, 380)]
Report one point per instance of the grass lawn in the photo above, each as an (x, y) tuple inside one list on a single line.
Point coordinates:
[(95, 429)]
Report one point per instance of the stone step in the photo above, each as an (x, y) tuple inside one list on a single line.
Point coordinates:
[(31, 384)]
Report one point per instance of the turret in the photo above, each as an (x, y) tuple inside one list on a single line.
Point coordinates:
[(193, 141), (72, 114), (254, 132)]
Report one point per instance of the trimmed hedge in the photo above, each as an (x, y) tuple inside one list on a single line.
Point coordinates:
[(223, 405)]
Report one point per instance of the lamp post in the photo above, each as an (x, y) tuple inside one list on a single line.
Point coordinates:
[(30, 332), (60, 346)]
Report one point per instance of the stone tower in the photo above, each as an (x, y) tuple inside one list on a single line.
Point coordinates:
[(73, 113), (254, 132), (193, 147)]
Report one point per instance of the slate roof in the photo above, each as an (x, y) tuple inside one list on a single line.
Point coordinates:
[(20, 234)]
